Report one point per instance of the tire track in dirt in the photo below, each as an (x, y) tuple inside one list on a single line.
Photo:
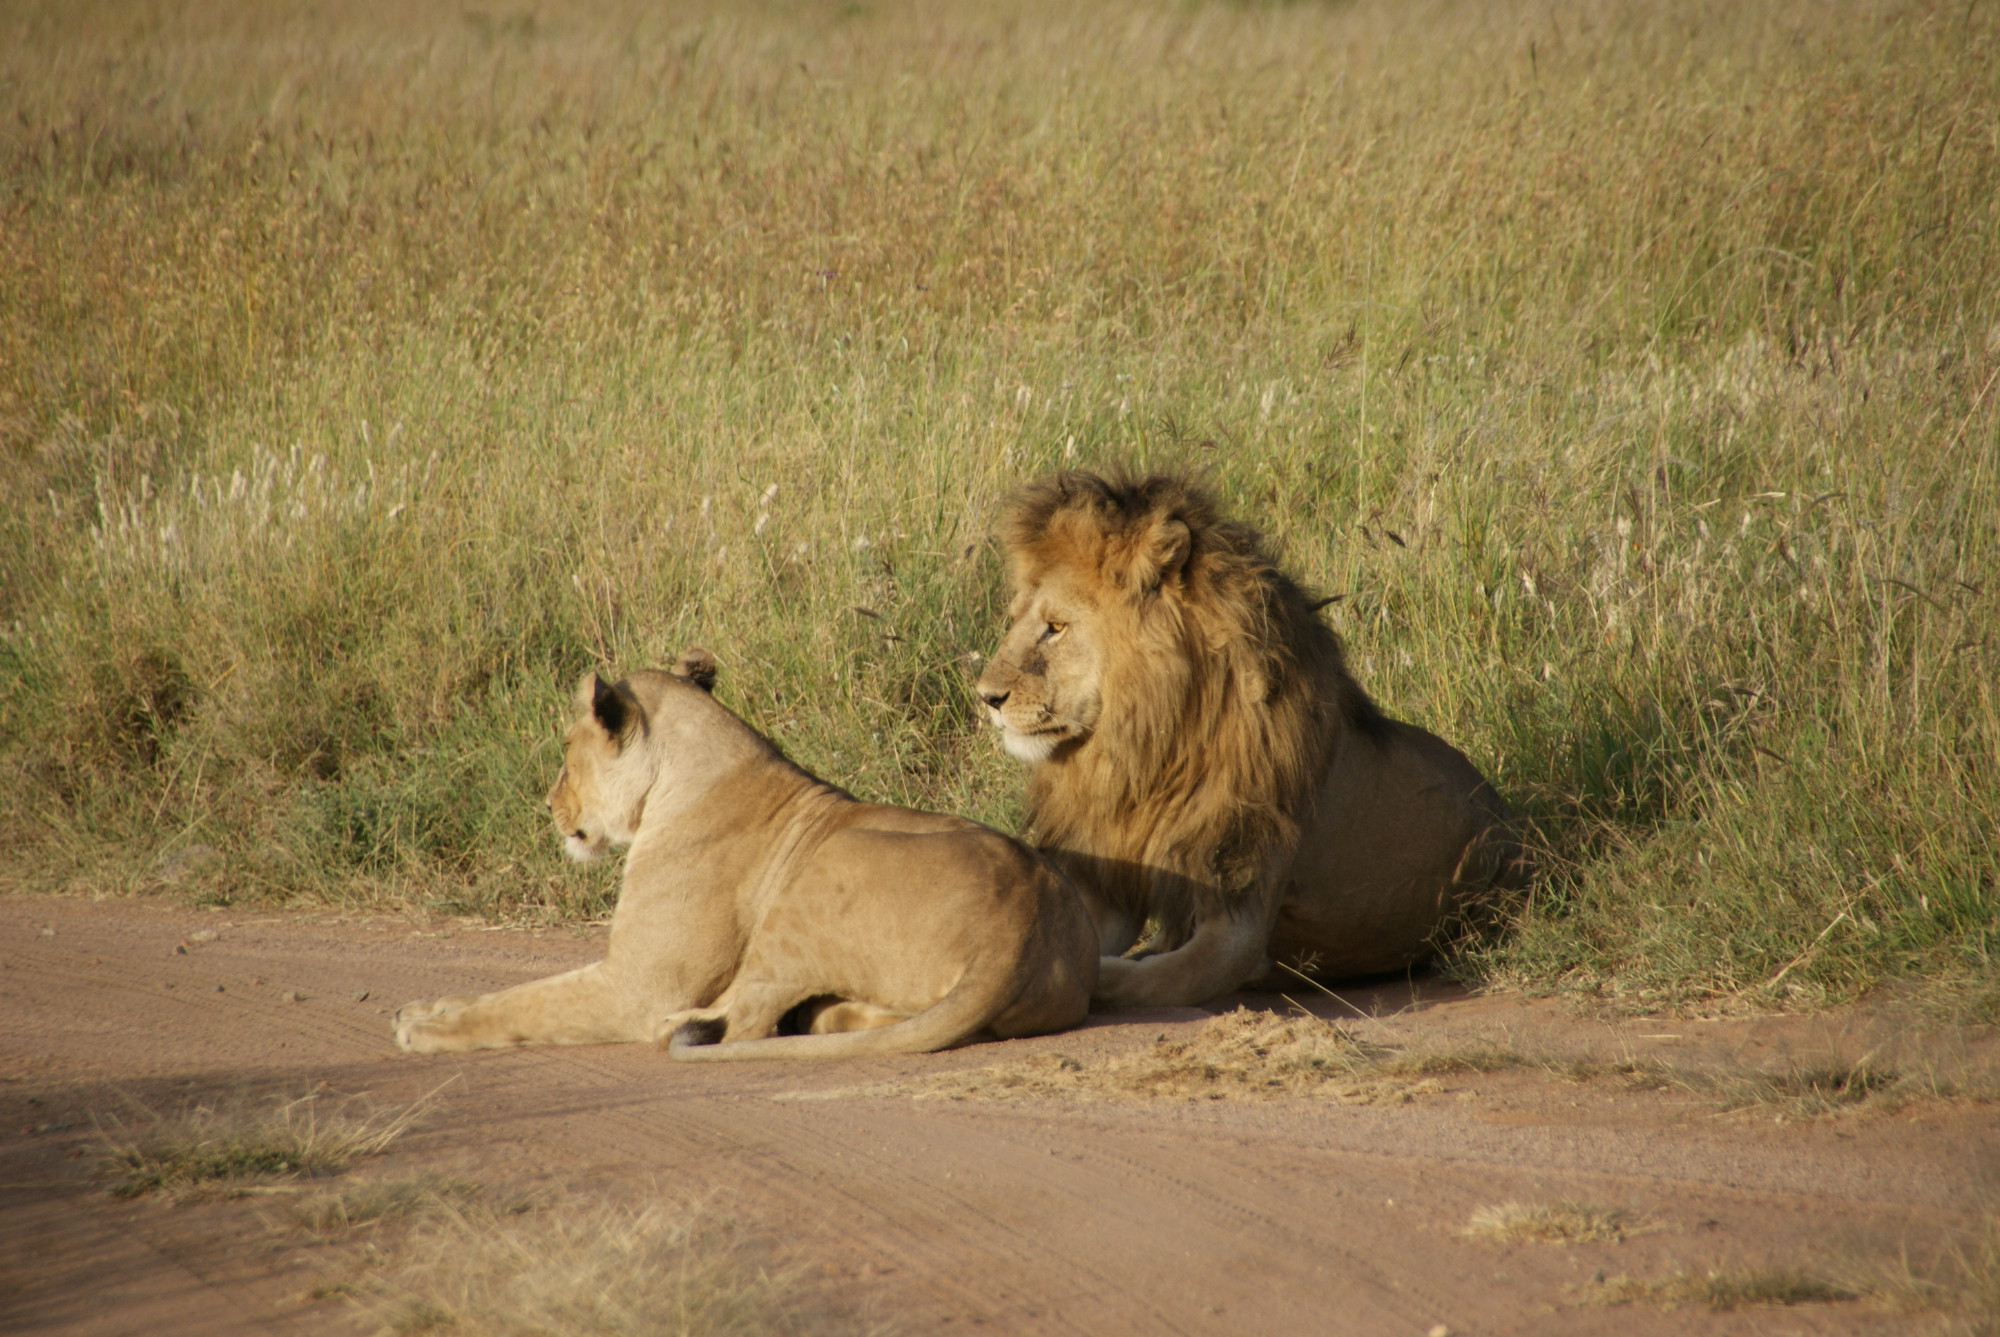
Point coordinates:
[(918, 1199)]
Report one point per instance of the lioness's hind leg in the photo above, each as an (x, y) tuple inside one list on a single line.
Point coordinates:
[(747, 1010)]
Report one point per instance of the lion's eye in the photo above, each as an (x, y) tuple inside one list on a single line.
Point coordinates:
[(1053, 630)]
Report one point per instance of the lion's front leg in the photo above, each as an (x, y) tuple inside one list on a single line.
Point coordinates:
[(1223, 954), (581, 1007)]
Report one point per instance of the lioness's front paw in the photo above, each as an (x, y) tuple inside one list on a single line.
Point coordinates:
[(420, 1028)]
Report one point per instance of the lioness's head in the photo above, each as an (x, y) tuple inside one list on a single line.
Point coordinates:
[(1100, 571), (600, 793)]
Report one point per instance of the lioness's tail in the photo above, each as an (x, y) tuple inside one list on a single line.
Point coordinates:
[(978, 997)]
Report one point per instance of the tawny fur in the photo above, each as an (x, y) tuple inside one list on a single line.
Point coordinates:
[(1196, 736), (755, 893)]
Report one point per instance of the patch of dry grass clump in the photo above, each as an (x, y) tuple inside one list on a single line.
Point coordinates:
[(1743, 1288), (1249, 1054), (1240, 1055), (1815, 1090), (660, 1271), (1960, 1281), (339, 1211), (1559, 1222), (1838, 1084), (229, 1150)]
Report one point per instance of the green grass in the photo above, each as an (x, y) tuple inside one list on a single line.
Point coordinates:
[(369, 372)]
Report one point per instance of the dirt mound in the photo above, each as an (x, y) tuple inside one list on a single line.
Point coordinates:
[(1240, 1055)]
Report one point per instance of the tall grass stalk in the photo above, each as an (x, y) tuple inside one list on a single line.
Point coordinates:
[(369, 371)]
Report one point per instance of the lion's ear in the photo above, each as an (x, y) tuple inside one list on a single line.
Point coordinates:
[(698, 667), (1162, 553)]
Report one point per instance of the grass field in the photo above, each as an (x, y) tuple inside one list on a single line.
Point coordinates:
[(369, 371)]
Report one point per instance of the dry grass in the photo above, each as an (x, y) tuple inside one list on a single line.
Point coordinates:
[(228, 1150), (660, 1271), (1825, 1087), (338, 1212), (1747, 1288), (1971, 1280), (1248, 1054), (1240, 1055), (1815, 1090), (1560, 1222), (1959, 1284), (1960, 1281), (368, 371)]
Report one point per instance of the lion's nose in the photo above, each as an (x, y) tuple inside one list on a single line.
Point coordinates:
[(994, 699)]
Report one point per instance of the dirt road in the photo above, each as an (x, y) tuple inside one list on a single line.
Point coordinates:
[(1271, 1217)]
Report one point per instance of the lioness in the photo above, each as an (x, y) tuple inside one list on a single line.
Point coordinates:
[(755, 893), (1203, 758)]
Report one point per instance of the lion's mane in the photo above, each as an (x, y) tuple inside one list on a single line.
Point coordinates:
[(1221, 709)]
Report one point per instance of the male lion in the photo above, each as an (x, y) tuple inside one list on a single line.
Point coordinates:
[(755, 894), (1202, 757)]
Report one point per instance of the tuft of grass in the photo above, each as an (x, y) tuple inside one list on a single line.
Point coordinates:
[(1749, 1288), (606, 1270), (1434, 1060), (1559, 1222), (232, 1150), (1960, 1281), (1630, 373), (337, 1212), (1814, 1090), (1972, 1282)]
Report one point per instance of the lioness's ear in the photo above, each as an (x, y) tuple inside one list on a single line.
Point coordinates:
[(610, 707), (698, 667), (1162, 553)]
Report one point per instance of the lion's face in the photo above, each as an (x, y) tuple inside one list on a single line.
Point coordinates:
[(1044, 688)]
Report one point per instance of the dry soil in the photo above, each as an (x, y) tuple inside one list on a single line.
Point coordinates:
[(941, 1215)]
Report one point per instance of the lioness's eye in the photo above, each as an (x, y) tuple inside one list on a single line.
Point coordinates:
[(1054, 630)]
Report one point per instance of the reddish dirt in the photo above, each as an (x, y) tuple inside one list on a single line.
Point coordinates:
[(1289, 1216)]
